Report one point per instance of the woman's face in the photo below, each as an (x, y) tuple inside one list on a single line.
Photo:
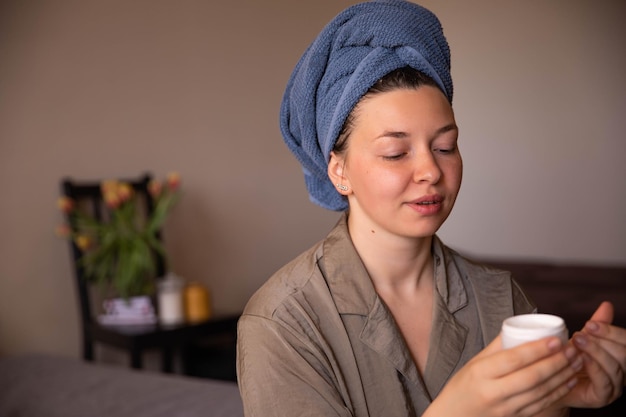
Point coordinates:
[(402, 164)]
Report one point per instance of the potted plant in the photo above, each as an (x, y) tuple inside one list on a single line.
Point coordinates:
[(118, 252)]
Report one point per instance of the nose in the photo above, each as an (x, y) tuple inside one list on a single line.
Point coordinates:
[(426, 168)]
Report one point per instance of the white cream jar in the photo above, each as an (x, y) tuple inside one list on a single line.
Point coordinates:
[(528, 327)]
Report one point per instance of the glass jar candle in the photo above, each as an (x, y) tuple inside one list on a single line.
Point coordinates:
[(170, 300)]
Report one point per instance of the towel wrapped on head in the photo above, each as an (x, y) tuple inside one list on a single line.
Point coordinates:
[(357, 48)]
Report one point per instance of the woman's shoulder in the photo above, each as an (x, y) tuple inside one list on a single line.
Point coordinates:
[(472, 267), (290, 280)]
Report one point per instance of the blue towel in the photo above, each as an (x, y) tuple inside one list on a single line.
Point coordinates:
[(358, 47)]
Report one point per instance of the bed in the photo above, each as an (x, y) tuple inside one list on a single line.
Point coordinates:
[(52, 386)]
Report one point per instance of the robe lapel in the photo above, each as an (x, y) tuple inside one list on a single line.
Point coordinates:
[(493, 296), (387, 341), (447, 341)]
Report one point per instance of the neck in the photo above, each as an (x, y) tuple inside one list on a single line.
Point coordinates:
[(396, 264)]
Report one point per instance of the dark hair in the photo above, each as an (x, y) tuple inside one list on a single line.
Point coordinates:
[(402, 78)]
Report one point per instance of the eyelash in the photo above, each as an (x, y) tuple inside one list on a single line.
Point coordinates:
[(394, 157), (442, 151), (446, 151)]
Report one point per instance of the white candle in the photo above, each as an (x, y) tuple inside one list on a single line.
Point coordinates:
[(170, 299)]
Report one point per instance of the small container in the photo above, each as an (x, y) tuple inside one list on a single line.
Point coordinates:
[(170, 300), (528, 327), (197, 303)]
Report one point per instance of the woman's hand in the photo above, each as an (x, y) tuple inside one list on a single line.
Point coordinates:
[(604, 351), (520, 382)]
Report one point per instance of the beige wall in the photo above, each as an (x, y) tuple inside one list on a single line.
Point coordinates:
[(98, 89)]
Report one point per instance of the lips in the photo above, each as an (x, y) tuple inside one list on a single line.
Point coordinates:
[(428, 200), (427, 205)]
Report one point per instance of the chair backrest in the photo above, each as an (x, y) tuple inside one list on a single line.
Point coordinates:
[(88, 196)]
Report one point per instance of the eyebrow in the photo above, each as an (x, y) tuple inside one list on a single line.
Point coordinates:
[(447, 128), (401, 134)]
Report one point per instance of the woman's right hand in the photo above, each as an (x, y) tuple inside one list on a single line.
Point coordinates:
[(517, 382)]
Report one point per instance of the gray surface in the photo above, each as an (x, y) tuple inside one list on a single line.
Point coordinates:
[(38, 386)]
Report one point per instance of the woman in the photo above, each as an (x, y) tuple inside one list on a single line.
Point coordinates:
[(381, 318)]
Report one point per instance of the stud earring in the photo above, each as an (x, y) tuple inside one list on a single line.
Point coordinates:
[(342, 187)]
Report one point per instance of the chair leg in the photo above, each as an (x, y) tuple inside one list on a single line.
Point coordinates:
[(87, 349), (167, 359), (135, 358), (185, 353)]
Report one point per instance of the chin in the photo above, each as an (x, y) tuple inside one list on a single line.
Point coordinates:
[(420, 233)]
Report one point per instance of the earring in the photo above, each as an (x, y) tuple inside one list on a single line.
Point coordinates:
[(342, 187)]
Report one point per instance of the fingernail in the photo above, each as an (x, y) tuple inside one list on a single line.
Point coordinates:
[(577, 365), (554, 344), (592, 326), (580, 340), (570, 352), (572, 383)]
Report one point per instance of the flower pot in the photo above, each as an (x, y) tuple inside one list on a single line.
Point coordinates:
[(137, 310)]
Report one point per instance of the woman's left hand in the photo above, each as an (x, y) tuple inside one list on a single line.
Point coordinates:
[(604, 352)]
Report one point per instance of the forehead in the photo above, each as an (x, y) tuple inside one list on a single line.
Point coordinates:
[(423, 107)]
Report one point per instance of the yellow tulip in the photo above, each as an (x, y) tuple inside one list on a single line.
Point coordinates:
[(83, 242), (173, 180), (108, 186), (65, 204), (124, 191), (63, 230), (154, 188), (112, 199)]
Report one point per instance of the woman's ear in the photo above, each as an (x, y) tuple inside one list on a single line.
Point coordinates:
[(336, 173)]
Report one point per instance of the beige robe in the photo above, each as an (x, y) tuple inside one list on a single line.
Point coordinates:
[(316, 340)]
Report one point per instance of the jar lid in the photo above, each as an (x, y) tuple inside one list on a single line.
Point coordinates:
[(170, 282), (533, 325)]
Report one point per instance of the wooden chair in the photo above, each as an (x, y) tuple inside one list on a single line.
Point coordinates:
[(133, 338)]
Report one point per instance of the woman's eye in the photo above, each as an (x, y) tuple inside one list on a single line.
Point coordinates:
[(446, 151), (394, 157)]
